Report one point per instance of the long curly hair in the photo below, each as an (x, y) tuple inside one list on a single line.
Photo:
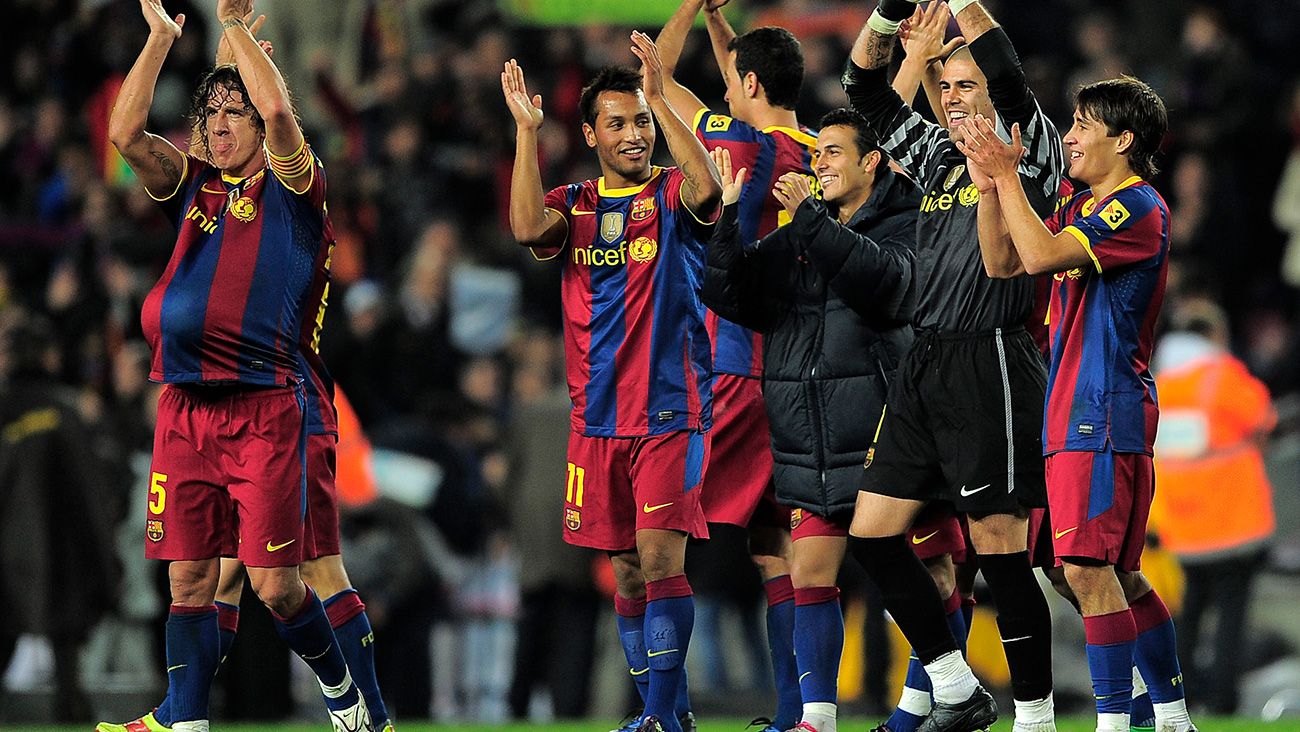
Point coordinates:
[(220, 81)]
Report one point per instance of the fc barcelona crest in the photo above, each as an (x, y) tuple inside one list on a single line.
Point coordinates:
[(642, 209), (611, 227), (572, 518), (153, 528), (871, 455), (796, 518)]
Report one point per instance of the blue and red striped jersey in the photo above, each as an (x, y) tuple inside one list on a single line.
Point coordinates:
[(1101, 320), (635, 346), (767, 154), (244, 290)]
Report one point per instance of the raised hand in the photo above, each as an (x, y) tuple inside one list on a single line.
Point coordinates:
[(711, 5), (791, 190), (923, 33), (224, 53), (987, 153), (652, 68), (732, 185), (160, 23), (227, 9), (526, 110)]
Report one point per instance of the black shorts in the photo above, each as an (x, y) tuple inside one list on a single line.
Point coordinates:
[(963, 423)]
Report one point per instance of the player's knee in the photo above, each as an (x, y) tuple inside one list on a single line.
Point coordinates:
[(944, 574), (628, 580), (1135, 585), (193, 583), (813, 569), (1056, 575), (662, 554), (769, 543), (326, 576), (770, 566), (281, 590)]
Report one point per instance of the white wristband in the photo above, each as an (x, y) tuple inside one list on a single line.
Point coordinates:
[(882, 25), (956, 6)]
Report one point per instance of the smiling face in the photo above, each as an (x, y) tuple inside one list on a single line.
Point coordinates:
[(963, 93), (1092, 151), (845, 174), (623, 136), (232, 132)]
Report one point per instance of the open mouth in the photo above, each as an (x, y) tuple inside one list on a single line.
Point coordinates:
[(633, 153), (956, 118), (827, 180)]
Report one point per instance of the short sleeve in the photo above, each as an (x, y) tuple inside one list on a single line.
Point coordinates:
[(558, 200), (673, 185), (300, 162), (1128, 228), (717, 128)]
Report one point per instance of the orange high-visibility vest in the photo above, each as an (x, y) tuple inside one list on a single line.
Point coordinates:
[(1212, 493), (354, 479)]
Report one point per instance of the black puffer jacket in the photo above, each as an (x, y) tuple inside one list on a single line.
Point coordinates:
[(833, 303)]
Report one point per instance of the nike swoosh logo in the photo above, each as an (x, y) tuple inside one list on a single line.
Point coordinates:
[(576, 212), (1013, 640), (1059, 534), (277, 547), (656, 654), (643, 671), (651, 509), (965, 493), (804, 675), (177, 667), (923, 539)]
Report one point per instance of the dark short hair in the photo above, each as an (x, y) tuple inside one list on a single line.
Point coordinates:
[(774, 55), (609, 78), (1128, 103), (226, 76), (863, 136)]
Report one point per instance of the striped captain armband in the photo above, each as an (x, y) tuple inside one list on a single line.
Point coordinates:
[(292, 166)]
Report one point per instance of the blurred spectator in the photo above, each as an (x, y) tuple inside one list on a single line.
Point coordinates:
[(1286, 201), (58, 572), (1213, 507)]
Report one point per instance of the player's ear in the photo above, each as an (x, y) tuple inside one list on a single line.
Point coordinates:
[(871, 160), (1125, 142), (589, 135), (751, 85)]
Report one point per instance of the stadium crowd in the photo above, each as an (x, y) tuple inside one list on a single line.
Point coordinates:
[(444, 334)]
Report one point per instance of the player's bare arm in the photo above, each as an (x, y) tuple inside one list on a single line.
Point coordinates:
[(266, 88), (702, 190), (720, 32), (226, 56), (973, 20), (155, 161), (1039, 249), (532, 224), (923, 43), (671, 41)]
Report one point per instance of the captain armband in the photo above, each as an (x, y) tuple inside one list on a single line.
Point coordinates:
[(291, 166)]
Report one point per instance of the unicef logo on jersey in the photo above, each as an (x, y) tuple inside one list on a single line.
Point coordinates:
[(642, 250)]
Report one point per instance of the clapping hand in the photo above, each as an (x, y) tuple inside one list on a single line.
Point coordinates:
[(987, 152), (732, 185), (791, 190), (160, 23), (526, 110)]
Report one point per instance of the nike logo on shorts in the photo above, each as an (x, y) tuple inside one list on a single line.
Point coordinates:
[(277, 547), (967, 493), (1059, 534), (651, 509), (923, 539)]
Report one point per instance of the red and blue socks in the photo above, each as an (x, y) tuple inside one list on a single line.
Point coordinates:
[(347, 614), (1111, 639), (780, 642), (914, 703), (817, 649), (193, 654), (669, 619), (1156, 656), (308, 634), (629, 615)]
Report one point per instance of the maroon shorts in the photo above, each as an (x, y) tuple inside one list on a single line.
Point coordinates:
[(936, 531), (738, 486), (321, 535), (1099, 504), (228, 461), (616, 486), (805, 523)]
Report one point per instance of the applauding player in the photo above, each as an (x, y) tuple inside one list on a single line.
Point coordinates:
[(636, 349), (1108, 250), (226, 324)]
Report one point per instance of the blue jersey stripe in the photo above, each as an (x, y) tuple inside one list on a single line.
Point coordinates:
[(755, 195), (1092, 378), (1101, 486), (608, 330), (185, 306), (667, 342)]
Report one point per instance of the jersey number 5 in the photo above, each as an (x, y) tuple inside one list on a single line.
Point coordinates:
[(157, 493)]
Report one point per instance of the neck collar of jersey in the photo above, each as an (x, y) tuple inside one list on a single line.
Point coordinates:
[(630, 190)]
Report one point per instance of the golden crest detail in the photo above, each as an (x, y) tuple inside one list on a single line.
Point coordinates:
[(643, 249)]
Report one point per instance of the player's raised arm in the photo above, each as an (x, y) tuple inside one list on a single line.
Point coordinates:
[(721, 33), (925, 48), (157, 162), (1040, 251), (268, 94), (532, 224), (671, 40), (702, 190)]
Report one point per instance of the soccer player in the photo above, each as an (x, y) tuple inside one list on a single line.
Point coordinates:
[(830, 292), (763, 70), (963, 420), (1107, 248), (225, 323), (636, 348), (322, 568)]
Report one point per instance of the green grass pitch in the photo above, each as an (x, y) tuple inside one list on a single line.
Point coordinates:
[(1067, 724)]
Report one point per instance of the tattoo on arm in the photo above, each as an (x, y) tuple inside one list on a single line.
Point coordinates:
[(880, 49), (168, 167)]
